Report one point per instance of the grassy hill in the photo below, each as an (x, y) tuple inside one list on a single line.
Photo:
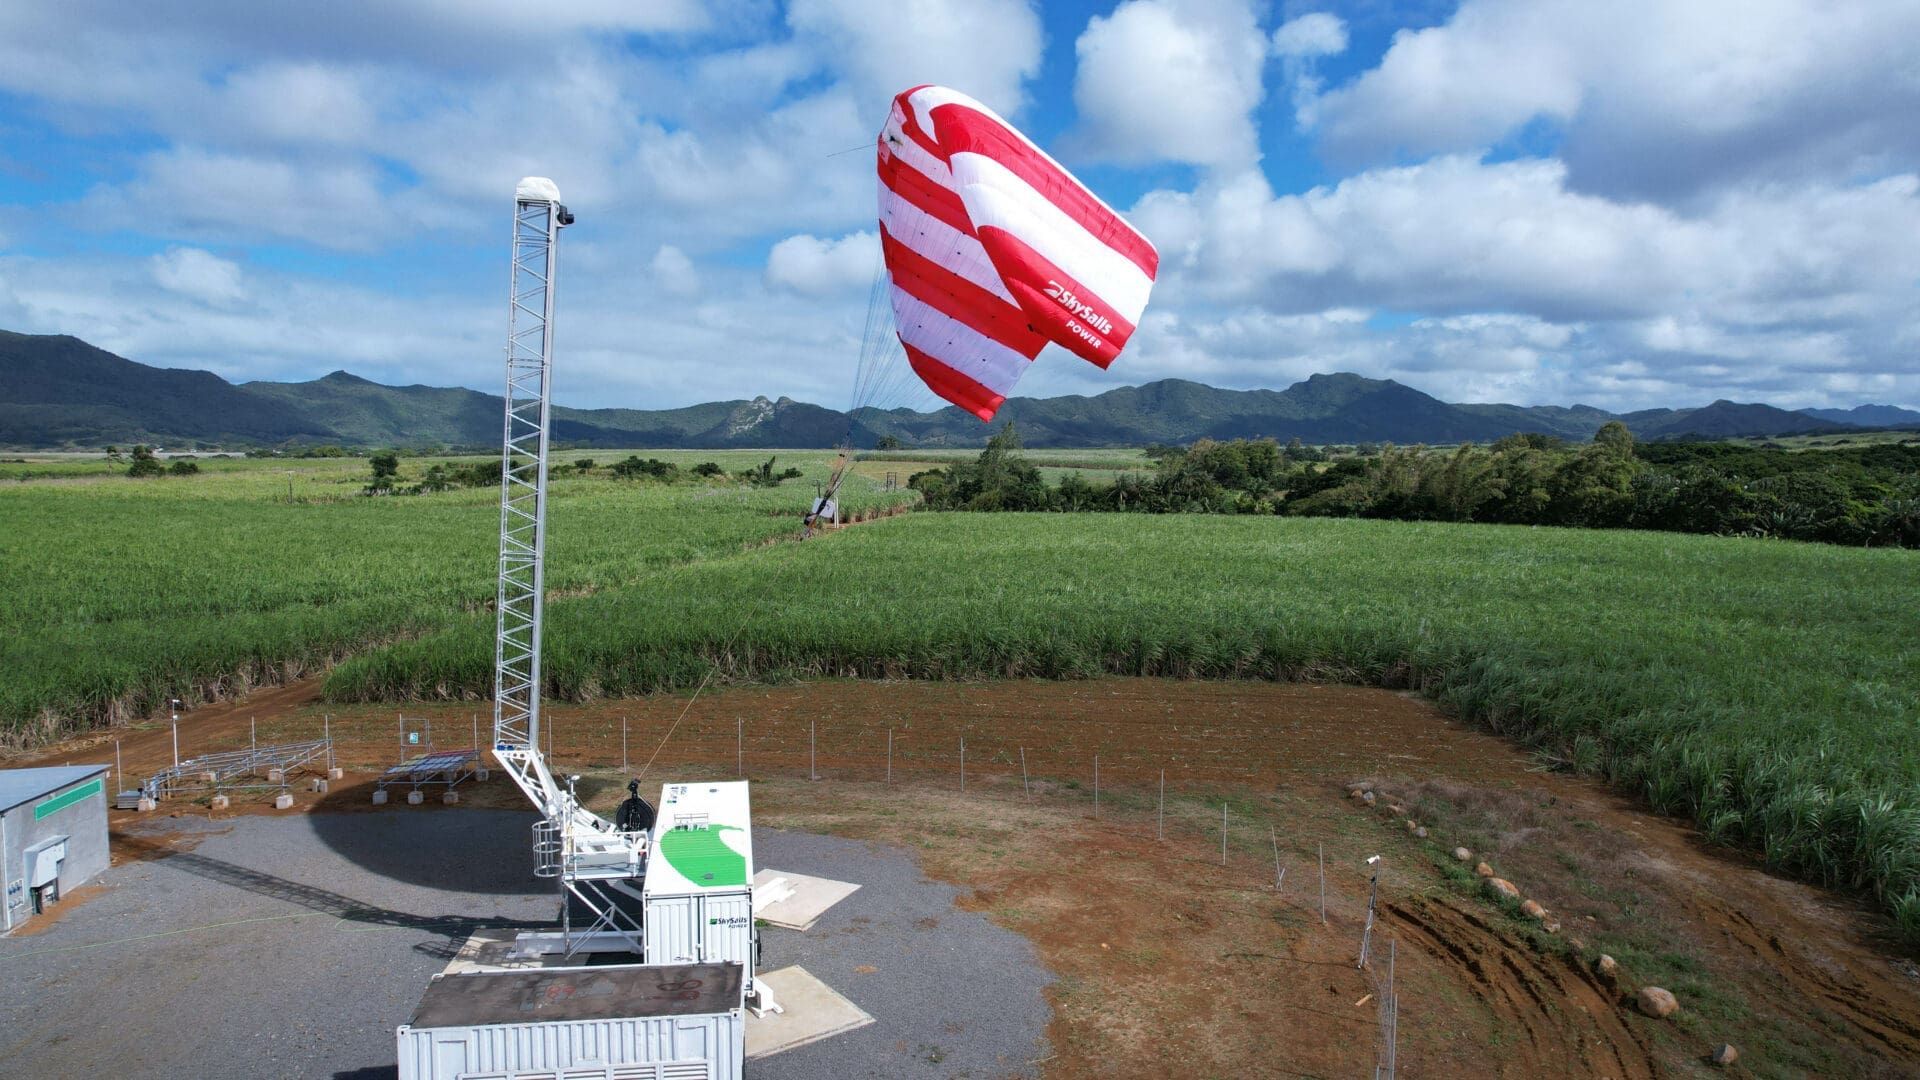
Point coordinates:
[(58, 391)]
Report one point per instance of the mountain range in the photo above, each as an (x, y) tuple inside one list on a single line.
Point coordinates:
[(57, 391)]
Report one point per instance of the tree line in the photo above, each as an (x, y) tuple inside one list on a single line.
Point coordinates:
[(1867, 495)]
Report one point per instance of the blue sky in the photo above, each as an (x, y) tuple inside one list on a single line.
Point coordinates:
[(1537, 201)]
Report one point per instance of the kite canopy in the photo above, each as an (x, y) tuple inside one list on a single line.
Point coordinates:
[(993, 250)]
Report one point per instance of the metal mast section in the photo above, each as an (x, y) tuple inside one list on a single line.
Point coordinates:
[(594, 860)]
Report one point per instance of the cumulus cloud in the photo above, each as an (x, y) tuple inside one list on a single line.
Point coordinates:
[(984, 48), (199, 274), (810, 266), (1315, 34), (674, 272), (1779, 288), (1170, 80), (1652, 99)]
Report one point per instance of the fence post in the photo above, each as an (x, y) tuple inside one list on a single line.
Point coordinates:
[(1023, 774), (1323, 883)]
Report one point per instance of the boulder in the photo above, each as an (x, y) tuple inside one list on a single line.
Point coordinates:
[(1396, 811), (1550, 925), (1532, 910), (1462, 854), (1412, 825), (1503, 887), (1421, 832), (1725, 1055), (1483, 869), (1357, 793), (1606, 968), (1367, 797), (1657, 1002)]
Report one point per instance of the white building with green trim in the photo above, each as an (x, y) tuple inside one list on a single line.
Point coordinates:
[(53, 836)]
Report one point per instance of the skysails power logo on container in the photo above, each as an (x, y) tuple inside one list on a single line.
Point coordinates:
[(1086, 311)]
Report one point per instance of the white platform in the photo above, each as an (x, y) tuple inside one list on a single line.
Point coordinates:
[(795, 901), (814, 1011)]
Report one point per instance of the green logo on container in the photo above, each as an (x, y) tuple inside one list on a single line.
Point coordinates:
[(700, 856)]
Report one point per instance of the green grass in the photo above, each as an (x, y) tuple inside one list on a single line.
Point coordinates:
[(1769, 690), (117, 594)]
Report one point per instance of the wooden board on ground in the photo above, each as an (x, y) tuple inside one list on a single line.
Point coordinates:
[(795, 901), (814, 1011)]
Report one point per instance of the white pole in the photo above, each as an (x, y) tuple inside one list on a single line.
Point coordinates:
[(1023, 773), (1096, 785), (176, 741), (253, 735), (1160, 823), (963, 763), (889, 755)]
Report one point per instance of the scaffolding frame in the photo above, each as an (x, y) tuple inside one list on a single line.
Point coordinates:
[(252, 769)]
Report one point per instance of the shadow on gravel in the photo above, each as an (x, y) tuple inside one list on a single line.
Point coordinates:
[(455, 928), (460, 849)]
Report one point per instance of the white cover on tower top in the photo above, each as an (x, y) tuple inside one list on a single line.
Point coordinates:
[(536, 189)]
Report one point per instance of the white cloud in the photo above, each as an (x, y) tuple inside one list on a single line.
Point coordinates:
[(984, 48), (674, 272), (810, 266), (199, 274), (247, 198), (1170, 80), (1315, 34), (1655, 99)]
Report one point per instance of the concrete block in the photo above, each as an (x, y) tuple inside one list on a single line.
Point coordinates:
[(482, 775), (380, 797), (450, 798), (415, 798), (208, 778), (146, 804), (283, 801), (336, 773), (276, 776), (219, 802)]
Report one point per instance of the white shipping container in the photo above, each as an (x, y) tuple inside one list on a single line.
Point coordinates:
[(616, 1022), (699, 887)]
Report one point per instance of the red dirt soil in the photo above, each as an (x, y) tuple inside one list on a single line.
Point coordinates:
[(1157, 945)]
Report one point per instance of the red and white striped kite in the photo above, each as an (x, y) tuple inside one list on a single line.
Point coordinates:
[(994, 250)]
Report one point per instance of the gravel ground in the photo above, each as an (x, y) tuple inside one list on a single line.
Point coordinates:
[(285, 947)]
